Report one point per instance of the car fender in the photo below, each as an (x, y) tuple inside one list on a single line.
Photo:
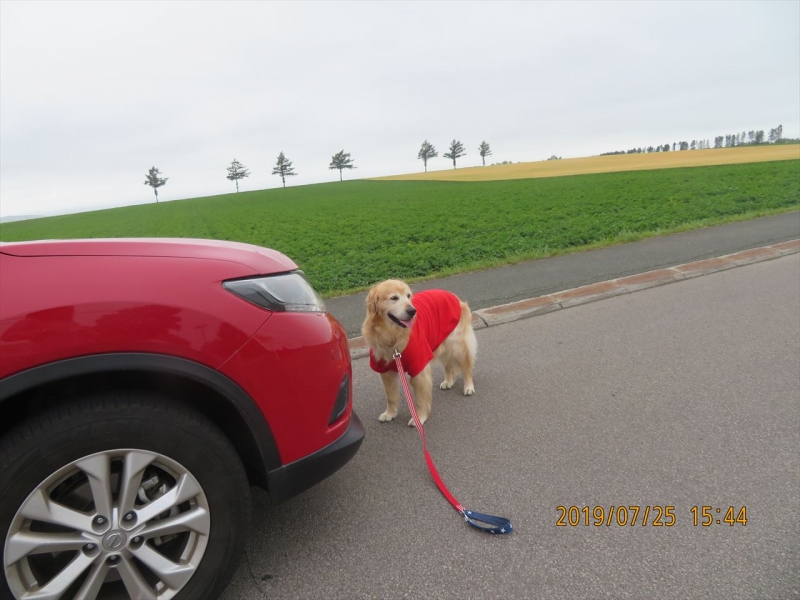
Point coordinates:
[(235, 396)]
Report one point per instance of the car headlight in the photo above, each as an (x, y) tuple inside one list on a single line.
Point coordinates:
[(287, 292)]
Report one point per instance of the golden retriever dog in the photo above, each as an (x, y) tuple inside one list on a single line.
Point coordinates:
[(428, 325)]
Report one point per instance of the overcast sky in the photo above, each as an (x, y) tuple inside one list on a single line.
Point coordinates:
[(94, 94)]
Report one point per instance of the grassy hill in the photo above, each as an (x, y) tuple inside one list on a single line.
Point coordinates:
[(606, 164), (348, 235)]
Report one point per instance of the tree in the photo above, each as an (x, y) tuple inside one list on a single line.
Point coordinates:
[(456, 151), (283, 168), (760, 136), (236, 172), (426, 152), (775, 134), (154, 180), (341, 160), (484, 151)]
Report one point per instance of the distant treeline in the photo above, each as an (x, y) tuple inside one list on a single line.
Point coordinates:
[(745, 138)]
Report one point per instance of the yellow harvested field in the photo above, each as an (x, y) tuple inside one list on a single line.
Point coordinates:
[(609, 164)]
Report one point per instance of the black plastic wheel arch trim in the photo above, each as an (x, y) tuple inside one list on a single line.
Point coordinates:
[(296, 477)]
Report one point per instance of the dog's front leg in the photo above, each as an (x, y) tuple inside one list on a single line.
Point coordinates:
[(423, 394), (390, 381)]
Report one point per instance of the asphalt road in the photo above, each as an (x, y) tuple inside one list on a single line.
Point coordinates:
[(491, 287), (682, 395)]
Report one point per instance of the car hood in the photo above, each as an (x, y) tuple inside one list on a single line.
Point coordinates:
[(261, 260)]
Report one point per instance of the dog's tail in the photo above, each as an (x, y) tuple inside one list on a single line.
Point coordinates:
[(469, 334)]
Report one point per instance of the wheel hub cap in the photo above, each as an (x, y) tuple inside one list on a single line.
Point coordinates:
[(114, 540)]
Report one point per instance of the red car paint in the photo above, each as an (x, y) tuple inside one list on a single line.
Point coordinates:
[(66, 299)]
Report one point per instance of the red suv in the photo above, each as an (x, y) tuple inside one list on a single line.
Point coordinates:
[(144, 385)]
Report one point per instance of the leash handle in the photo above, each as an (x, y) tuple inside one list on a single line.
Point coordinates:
[(499, 525)]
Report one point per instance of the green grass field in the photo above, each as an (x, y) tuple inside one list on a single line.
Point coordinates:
[(346, 236)]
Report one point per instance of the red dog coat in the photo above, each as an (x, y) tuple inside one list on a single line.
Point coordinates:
[(438, 313)]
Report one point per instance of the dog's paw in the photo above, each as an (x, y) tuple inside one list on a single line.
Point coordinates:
[(445, 385), (386, 416), (469, 391), (421, 419)]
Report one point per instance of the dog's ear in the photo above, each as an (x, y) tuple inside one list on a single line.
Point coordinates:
[(372, 301)]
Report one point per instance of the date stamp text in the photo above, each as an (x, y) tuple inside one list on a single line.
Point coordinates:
[(647, 516)]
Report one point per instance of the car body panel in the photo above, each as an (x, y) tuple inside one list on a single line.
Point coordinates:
[(260, 260), (66, 306), (291, 359)]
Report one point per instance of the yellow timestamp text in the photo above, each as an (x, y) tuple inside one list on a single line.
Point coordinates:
[(647, 515), (706, 516)]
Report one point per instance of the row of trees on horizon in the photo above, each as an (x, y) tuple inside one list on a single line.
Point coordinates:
[(283, 168), (342, 160), (456, 151), (752, 137)]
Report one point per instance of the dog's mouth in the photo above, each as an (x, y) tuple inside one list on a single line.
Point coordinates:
[(400, 322)]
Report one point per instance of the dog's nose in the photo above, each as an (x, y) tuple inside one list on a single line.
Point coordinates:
[(411, 311)]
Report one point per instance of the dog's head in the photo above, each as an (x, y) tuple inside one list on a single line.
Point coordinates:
[(390, 301)]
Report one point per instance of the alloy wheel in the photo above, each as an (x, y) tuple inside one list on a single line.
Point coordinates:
[(122, 523)]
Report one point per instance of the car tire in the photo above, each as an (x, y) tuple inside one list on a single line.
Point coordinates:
[(82, 488)]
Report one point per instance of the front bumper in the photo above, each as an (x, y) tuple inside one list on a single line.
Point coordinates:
[(296, 477)]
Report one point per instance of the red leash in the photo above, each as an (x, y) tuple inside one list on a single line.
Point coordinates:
[(500, 524)]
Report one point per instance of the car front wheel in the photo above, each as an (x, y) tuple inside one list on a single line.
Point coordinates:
[(120, 496)]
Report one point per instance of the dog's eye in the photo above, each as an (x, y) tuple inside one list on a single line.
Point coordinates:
[(395, 297), (408, 296)]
